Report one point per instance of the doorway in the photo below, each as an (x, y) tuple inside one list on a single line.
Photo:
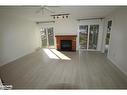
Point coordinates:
[(47, 37), (88, 37)]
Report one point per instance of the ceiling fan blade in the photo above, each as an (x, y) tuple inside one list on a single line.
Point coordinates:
[(53, 6), (39, 10), (45, 8), (42, 11), (49, 10)]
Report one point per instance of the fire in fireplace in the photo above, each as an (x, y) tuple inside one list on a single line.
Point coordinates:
[(66, 45)]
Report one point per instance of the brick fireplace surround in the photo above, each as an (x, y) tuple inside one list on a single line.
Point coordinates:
[(60, 38)]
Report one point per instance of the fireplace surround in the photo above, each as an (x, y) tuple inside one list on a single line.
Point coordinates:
[(66, 42)]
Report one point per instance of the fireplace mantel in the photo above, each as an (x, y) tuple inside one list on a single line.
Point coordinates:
[(59, 38), (66, 36)]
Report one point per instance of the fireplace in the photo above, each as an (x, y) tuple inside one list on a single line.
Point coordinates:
[(66, 45), (66, 42)]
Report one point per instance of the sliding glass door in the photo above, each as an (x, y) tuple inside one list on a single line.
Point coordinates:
[(47, 37), (50, 36), (83, 36), (107, 39), (88, 37), (93, 36), (44, 37)]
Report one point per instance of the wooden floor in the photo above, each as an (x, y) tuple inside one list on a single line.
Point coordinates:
[(85, 70)]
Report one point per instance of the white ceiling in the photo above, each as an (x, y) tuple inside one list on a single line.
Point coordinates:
[(76, 12)]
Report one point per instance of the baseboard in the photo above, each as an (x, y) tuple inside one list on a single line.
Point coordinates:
[(4, 63), (113, 63)]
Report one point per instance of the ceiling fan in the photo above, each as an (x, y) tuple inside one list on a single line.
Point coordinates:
[(42, 9)]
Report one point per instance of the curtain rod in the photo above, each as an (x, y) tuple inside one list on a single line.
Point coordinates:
[(45, 22), (89, 19)]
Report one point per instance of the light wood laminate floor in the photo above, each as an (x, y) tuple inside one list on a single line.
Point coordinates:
[(85, 70)]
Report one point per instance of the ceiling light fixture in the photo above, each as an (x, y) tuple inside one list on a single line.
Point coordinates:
[(60, 16)]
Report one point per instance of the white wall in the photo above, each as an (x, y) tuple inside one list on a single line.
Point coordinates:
[(62, 26), (66, 27), (118, 41), (18, 37)]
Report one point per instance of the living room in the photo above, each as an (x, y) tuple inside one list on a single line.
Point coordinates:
[(63, 47)]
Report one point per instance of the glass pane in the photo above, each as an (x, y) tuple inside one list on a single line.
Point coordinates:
[(43, 37), (51, 36), (93, 36), (108, 32), (83, 35), (108, 37)]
